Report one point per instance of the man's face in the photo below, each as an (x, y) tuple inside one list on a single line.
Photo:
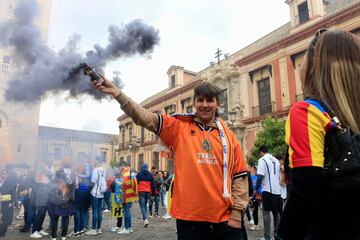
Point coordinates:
[(206, 108)]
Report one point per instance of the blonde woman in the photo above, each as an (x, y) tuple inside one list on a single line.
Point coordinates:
[(320, 207)]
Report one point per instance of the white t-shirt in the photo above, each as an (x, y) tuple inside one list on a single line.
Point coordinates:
[(269, 165), (98, 177), (283, 192)]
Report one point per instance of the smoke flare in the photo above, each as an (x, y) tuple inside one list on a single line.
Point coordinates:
[(40, 70)]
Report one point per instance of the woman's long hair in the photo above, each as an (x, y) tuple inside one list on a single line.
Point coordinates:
[(310, 88), (336, 70)]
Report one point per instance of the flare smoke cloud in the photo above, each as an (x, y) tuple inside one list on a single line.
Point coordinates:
[(40, 70)]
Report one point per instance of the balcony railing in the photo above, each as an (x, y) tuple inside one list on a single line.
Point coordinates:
[(263, 109)]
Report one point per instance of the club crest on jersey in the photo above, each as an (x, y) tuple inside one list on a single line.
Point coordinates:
[(207, 145)]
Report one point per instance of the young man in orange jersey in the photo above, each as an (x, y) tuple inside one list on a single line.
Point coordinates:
[(211, 188)]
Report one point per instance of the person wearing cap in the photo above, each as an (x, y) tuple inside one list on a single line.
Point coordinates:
[(210, 192)]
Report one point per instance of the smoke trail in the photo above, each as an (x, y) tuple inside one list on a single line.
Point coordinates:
[(42, 70)]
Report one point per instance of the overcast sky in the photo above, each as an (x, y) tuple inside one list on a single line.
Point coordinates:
[(190, 32)]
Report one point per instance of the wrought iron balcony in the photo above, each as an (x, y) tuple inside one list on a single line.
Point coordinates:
[(263, 109)]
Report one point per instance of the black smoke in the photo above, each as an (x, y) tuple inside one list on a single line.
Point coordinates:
[(40, 70)]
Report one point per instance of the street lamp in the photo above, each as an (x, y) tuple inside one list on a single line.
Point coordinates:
[(232, 117)]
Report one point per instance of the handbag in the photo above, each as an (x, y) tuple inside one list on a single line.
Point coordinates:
[(342, 149), (341, 182)]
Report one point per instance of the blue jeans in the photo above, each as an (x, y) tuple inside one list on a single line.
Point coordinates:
[(86, 218), (81, 218), (96, 212), (30, 216), (162, 197), (107, 195), (127, 214), (143, 200)]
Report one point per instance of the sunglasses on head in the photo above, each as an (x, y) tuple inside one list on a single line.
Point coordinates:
[(317, 35), (320, 31)]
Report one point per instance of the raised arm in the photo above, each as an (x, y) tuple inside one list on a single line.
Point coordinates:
[(137, 113)]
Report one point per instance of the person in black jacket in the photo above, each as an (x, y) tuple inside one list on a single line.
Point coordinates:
[(25, 188), (62, 198), (7, 190)]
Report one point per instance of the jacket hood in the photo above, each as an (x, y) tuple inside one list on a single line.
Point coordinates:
[(144, 167)]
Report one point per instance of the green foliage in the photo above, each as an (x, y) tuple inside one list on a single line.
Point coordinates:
[(272, 135)]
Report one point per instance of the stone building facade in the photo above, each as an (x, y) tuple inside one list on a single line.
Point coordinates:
[(56, 144), (259, 80)]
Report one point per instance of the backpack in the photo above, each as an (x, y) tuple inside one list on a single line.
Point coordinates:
[(57, 198), (100, 185)]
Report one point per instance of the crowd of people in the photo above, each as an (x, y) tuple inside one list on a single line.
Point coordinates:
[(70, 191), (211, 186)]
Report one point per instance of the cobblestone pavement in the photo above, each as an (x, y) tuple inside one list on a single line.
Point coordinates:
[(158, 229)]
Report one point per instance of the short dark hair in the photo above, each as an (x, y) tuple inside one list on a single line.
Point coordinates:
[(263, 149), (207, 90)]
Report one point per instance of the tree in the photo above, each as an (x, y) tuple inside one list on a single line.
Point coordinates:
[(272, 135)]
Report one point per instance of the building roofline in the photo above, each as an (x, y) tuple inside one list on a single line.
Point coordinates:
[(328, 21)]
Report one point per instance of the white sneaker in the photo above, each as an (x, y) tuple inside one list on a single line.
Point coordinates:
[(114, 229), (251, 222), (254, 228), (91, 232), (99, 231), (63, 238), (36, 234), (43, 233), (146, 223), (123, 231), (106, 211), (166, 216)]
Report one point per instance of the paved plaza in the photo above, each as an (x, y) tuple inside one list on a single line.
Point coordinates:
[(157, 229)]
